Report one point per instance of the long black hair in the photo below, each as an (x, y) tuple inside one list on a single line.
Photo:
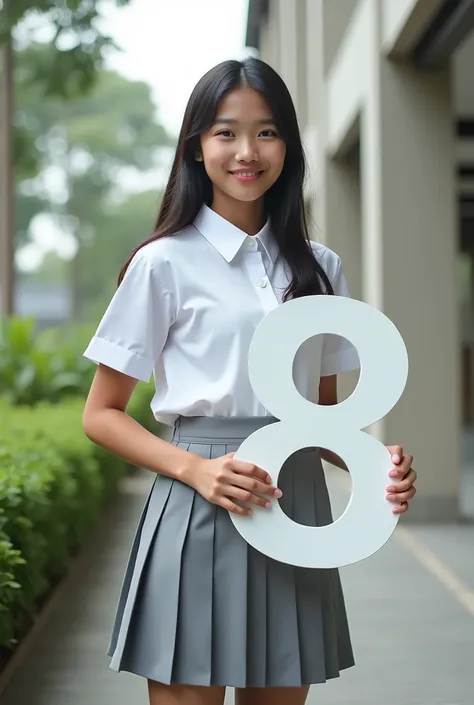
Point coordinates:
[(189, 186)]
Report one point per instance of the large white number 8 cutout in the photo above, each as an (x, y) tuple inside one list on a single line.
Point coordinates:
[(368, 521)]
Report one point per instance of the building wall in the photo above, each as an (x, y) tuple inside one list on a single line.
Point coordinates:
[(380, 140)]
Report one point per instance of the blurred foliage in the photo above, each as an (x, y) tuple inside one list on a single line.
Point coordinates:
[(53, 485), (49, 367), (78, 44), (36, 367), (51, 491), (85, 125), (115, 122), (53, 480), (118, 231), (91, 143)]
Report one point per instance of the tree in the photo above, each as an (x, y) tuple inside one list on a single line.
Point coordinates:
[(90, 142), (89, 139), (79, 46), (120, 230), (78, 52), (117, 232)]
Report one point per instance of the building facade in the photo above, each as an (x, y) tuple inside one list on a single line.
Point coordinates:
[(385, 98)]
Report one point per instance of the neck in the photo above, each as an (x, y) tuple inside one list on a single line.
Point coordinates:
[(248, 217)]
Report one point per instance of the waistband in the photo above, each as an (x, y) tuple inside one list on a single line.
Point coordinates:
[(218, 429)]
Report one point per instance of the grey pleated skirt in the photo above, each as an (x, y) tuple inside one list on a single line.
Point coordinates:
[(199, 606)]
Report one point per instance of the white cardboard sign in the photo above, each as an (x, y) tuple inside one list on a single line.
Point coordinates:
[(368, 521)]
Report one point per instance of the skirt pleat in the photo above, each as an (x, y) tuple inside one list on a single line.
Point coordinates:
[(257, 611), (200, 606), (283, 646), (229, 601), (128, 599), (193, 616)]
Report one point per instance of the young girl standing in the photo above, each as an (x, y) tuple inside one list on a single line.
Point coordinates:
[(200, 609)]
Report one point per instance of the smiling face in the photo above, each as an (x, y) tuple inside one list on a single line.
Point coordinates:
[(242, 152)]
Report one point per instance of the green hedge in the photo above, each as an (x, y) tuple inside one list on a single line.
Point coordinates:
[(53, 484), (47, 366)]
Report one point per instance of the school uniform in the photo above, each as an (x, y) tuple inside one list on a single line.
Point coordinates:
[(199, 606)]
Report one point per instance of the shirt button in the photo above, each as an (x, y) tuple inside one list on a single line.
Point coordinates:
[(263, 283), (250, 243)]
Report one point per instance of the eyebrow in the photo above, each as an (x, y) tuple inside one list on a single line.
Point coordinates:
[(232, 121)]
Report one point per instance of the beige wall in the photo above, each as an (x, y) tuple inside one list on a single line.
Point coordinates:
[(391, 216)]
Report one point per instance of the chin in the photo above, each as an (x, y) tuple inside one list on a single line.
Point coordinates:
[(248, 197), (247, 194)]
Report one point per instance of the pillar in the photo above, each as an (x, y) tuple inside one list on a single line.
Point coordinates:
[(287, 22), (409, 245)]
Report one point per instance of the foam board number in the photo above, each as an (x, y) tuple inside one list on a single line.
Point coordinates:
[(368, 521)]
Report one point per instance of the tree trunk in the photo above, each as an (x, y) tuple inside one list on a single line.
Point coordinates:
[(6, 180)]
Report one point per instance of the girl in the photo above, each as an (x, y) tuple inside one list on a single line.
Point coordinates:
[(200, 609)]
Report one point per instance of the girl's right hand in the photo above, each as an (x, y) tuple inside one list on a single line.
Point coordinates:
[(225, 481)]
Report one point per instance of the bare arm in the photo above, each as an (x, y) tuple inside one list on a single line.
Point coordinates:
[(223, 481), (328, 397), (107, 424)]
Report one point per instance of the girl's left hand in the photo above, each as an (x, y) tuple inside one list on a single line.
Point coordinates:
[(402, 491)]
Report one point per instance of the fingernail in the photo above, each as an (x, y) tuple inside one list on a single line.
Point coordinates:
[(268, 505), (391, 489), (396, 458), (268, 480), (393, 473), (391, 497), (278, 493)]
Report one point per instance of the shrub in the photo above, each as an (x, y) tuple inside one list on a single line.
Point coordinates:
[(53, 480), (48, 366), (53, 484)]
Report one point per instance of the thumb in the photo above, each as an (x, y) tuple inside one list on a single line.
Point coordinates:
[(230, 455)]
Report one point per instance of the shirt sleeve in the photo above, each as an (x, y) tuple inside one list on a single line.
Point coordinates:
[(134, 328), (338, 355)]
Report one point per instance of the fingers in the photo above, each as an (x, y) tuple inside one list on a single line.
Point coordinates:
[(403, 468), (247, 496), (402, 492), (251, 484), (227, 503), (401, 509), (243, 468), (396, 453), (238, 482), (401, 497), (404, 477), (405, 484)]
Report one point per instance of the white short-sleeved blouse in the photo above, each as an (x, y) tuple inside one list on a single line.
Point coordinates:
[(187, 309)]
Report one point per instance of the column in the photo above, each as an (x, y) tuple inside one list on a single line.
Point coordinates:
[(409, 255), (288, 45), (335, 184)]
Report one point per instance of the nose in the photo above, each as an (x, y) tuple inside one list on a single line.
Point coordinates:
[(246, 151)]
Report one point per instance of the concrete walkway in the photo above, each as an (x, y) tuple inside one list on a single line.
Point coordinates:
[(411, 607)]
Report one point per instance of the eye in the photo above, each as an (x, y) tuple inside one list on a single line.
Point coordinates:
[(269, 133), (224, 133)]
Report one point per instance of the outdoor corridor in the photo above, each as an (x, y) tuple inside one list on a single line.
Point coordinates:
[(411, 607)]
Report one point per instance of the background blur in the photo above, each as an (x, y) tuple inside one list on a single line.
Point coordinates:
[(92, 93)]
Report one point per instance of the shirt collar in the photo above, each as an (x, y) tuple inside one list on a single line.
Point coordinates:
[(227, 238)]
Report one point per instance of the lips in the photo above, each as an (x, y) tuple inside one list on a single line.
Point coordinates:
[(246, 175)]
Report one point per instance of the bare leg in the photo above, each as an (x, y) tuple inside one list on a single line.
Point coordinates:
[(271, 696), (184, 695)]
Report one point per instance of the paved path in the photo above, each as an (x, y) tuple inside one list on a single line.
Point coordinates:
[(411, 608)]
